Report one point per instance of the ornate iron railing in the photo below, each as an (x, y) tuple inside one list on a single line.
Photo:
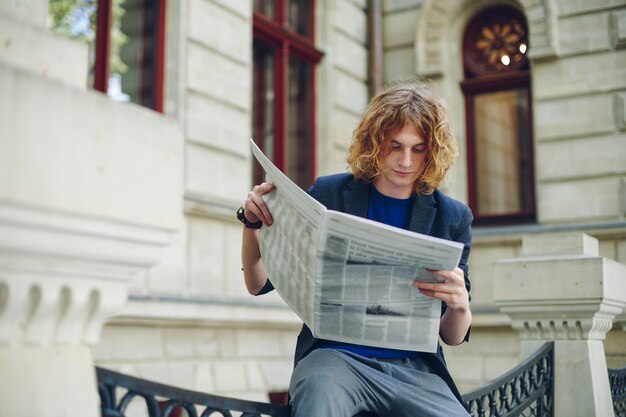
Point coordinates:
[(526, 390), (118, 391), (617, 379)]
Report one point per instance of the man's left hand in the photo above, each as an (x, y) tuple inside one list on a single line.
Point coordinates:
[(450, 288)]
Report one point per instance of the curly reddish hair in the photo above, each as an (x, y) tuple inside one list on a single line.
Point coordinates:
[(408, 103)]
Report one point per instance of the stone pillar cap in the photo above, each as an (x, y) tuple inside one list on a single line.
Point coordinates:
[(567, 243)]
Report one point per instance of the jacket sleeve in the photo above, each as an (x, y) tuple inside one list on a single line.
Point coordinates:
[(464, 236), (266, 288)]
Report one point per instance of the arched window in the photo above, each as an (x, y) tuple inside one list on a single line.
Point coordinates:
[(496, 86)]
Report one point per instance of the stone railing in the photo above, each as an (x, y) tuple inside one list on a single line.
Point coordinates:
[(561, 290)]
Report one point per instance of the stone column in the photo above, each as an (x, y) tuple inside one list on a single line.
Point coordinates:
[(90, 194), (560, 290)]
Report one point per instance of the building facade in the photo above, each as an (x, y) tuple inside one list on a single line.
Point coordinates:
[(295, 76)]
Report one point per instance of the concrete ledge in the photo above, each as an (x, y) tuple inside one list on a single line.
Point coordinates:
[(43, 53), (39, 232), (79, 152), (209, 312)]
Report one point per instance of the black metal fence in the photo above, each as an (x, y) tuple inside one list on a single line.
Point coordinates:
[(526, 390), (617, 379), (117, 391)]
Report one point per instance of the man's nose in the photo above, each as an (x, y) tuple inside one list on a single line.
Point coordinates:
[(405, 160)]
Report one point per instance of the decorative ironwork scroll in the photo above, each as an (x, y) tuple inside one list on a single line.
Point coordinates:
[(117, 392), (526, 390), (617, 379)]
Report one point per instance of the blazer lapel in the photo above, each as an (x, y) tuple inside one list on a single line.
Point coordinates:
[(423, 214), (356, 198)]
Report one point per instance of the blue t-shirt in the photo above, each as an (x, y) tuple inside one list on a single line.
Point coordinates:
[(394, 212)]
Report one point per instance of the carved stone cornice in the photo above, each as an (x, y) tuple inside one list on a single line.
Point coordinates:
[(62, 275)]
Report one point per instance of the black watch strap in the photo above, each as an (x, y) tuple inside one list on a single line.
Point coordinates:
[(246, 222)]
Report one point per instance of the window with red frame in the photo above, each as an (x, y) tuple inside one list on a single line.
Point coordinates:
[(283, 109), (498, 117), (126, 45)]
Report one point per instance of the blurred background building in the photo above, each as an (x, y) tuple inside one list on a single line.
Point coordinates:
[(124, 155)]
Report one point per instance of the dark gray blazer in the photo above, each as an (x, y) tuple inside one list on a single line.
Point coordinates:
[(436, 215)]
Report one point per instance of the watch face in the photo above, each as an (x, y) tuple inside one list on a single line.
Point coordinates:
[(246, 222), (240, 215)]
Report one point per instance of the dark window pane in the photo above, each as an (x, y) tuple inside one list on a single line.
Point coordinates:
[(265, 7), (263, 102), (502, 152), (134, 45), (299, 142), (300, 17), (283, 99), (134, 51)]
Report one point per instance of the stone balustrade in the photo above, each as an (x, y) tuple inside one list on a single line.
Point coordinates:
[(562, 290)]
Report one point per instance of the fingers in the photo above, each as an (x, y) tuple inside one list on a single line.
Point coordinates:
[(450, 289), (255, 208)]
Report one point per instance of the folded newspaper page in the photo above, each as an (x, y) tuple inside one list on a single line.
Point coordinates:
[(351, 279)]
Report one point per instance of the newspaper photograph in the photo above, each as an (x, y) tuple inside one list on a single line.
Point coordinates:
[(348, 278)]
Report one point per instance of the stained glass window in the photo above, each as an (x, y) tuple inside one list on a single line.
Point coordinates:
[(496, 40)]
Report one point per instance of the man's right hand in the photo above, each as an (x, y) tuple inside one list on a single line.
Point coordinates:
[(255, 210), (254, 206)]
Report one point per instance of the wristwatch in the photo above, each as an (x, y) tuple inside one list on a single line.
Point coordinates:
[(246, 222)]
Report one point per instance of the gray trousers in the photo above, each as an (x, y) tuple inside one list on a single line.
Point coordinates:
[(336, 383)]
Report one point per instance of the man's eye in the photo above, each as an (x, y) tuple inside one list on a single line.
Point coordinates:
[(419, 149), (395, 147)]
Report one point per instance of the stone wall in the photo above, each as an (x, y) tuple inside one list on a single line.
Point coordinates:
[(342, 79), (579, 118), (246, 362)]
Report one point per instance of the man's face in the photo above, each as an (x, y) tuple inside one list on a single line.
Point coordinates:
[(402, 165)]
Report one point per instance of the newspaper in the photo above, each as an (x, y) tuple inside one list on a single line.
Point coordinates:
[(351, 279)]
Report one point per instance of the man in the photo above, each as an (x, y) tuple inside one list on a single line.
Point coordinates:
[(399, 155)]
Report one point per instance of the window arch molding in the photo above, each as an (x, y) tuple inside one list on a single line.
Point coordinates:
[(437, 52), (430, 36)]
